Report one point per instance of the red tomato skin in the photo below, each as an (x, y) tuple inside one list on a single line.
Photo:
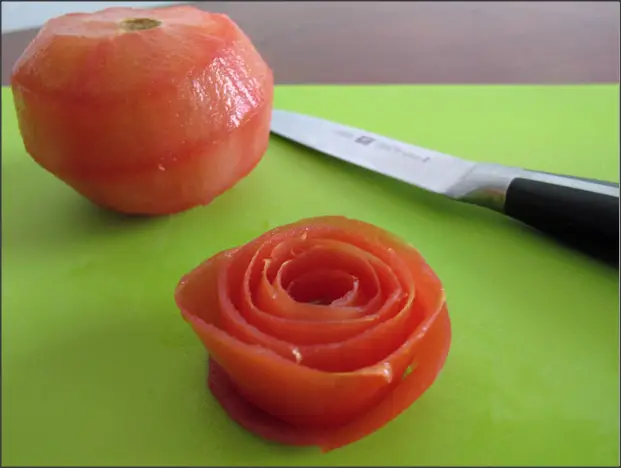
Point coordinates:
[(144, 122), (309, 389)]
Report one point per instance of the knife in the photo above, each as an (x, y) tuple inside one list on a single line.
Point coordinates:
[(581, 212)]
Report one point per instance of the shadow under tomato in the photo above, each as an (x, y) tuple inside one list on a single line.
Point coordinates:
[(40, 211)]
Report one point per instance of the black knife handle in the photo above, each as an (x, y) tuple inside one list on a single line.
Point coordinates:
[(586, 179), (585, 220)]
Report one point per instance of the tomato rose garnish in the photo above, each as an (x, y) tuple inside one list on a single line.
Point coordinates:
[(319, 332), (144, 111)]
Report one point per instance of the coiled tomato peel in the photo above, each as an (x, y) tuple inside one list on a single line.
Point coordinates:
[(319, 332)]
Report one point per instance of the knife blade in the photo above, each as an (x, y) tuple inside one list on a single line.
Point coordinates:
[(579, 211)]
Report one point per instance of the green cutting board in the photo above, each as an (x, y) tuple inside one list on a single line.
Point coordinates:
[(98, 368)]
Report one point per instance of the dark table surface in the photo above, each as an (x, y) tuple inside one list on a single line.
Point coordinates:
[(421, 42)]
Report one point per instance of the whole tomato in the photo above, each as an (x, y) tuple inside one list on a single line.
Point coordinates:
[(144, 111)]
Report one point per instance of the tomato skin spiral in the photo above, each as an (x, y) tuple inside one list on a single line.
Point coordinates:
[(319, 332)]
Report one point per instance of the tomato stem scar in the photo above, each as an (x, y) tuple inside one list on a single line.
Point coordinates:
[(139, 24)]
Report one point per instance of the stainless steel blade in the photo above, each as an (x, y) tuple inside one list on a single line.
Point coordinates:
[(483, 184), (427, 169), (581, 212)]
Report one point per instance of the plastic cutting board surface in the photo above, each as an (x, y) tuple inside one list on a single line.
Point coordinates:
[(98, 368)]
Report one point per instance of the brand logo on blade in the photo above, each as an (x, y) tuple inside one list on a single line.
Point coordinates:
[(368, 141), (364, 140)]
